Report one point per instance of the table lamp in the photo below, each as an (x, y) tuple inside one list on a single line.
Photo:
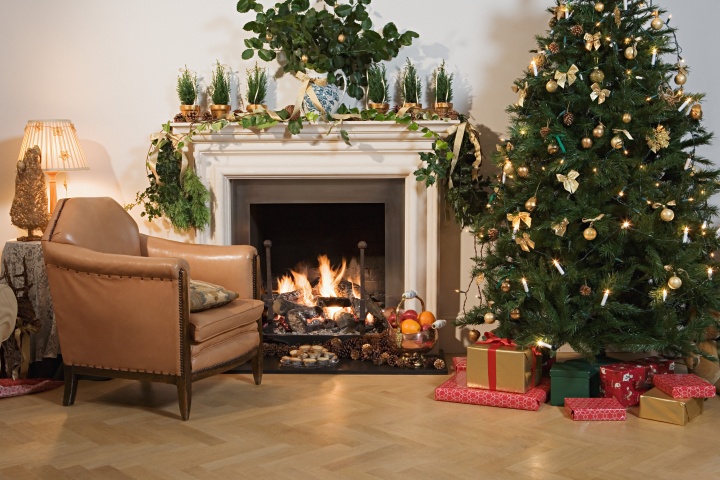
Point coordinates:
[(59, 148)]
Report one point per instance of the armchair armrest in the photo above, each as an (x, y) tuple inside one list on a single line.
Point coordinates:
[(232, 266)]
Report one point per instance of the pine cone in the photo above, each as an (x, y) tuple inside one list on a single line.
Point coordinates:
[(392, 360), (179, 118), (206, 117), (383, 358), (544, 132), (290, 109), (269, 349), (554, 47), (568, 118), (334, 345), (585, 290), (367, 351), (439, 364), (577, 30), (552, 22), (493, 233), (355, 354)]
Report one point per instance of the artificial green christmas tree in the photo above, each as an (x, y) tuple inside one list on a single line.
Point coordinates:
[(598, 231)]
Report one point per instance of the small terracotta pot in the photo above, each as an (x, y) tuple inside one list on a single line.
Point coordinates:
[(442, 108), (219, 111), (251, 107), (190, 111), (379, 107)]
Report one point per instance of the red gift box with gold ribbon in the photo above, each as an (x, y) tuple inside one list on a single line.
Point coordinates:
[(499, 364)]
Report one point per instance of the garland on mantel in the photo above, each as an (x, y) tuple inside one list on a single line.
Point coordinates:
[(176, 193)]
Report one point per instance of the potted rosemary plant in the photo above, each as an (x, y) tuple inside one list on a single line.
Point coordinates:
[(411, 86), (257, 84), (443, 90), (220, 91), (377, 88), (187, 93)]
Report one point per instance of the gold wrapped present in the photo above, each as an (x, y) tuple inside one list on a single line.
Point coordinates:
[(657, 405), (499, 364)]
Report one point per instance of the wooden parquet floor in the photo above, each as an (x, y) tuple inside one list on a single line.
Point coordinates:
[(331, 426)]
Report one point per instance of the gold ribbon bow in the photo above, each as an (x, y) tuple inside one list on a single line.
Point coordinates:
[(522, 93), (568, 76), (599, 93), (560, 11), (306, 89), (627, 134), (560, 228), (569, 181), (671, 203), (592, 40), (525, 242), (520, 217), (593, 220)]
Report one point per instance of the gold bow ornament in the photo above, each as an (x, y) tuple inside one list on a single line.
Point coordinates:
[(522, 93), (625, 132), (599, 93), (659, 140), (569, 76), (569, 181), (560, 228), (525, 242), (657, 205), (520, 217), (592, 40)]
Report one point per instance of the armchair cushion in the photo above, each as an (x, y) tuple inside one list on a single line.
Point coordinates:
[(204, 296), (211, 323)]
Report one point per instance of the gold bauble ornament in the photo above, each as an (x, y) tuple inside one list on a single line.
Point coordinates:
[(630, 53), (268, 36), (341, 38), (508, 168), (489, 317), (590, 233), (599, 7), (523, 171), (531, 204), (551, 86), (626, 118), (552, 149), (304, 58), (505, 286), (680, 78), (586, 142), (674, 282), (515, 314), (616, 142), (696, 112), (599, 131), (597, 76), (657, 23), (667, 215), (473, 335)]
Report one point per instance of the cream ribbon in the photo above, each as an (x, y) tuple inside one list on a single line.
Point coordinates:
[(592, 40), (560, 228), (593, 220), (627, 134), (657, 205), (599, 93), (306, 89), (569, 181), (522, 93), (525, 242), (157, 141), (520, 217), (568, 76), (460, 131)]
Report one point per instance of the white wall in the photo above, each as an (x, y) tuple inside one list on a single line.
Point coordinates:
[(111, 68)]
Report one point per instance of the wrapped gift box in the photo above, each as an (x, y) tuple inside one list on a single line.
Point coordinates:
[(654, 366), (684, 386), (623, 382), (657, 405), (456, 390), (506, 368), (595, 409), (575, 379), (460, 364)]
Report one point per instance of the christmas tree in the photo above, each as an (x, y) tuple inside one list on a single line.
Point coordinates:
[(597, 233)]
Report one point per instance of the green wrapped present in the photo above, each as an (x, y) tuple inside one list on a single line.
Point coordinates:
[(575, 379)]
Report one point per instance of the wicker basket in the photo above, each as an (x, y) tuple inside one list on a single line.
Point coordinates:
[(413, 343)]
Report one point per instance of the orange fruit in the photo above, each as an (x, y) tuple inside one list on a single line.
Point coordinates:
[(426, 318), (409, 326)]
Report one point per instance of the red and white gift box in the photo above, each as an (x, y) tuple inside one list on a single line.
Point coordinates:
[(456, 390), (654, 366), (684, 386), (623, 381), (460, 364), (595, 409)]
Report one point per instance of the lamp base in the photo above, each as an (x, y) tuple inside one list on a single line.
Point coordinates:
[(30, 237)]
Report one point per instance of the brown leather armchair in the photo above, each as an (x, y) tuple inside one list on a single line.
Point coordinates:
[(121, 301)]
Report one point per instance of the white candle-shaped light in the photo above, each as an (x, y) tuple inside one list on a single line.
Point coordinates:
[(534, 65), (559, 267), (688, 163), (624, 4), (664, 294), (525, 285), (504, 177), (567, 13), (685, 104), (654, 56), (541, 343), (605, 297), (710, 273), (685, 235)]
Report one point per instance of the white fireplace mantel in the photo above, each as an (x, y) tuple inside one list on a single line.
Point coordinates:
[(376, 150)]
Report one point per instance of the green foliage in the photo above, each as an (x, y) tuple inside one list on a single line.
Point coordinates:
[(256, 85), (220, 85), (187, 87), (632, 261), (410, 83), (443, 84), (377, 83), (297, 29)]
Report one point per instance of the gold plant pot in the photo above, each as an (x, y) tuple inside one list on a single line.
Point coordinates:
[(190, 111), (379, 107), (442, 108), (251, 107), (412, 106), (219, 111)]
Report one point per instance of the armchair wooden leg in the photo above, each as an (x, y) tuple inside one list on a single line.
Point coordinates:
[(70, 386), (184, 387), (257, 366)]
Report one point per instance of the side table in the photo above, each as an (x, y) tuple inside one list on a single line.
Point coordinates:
[(44, 343)]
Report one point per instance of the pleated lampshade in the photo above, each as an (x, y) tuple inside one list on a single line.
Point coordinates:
[(58, 142)]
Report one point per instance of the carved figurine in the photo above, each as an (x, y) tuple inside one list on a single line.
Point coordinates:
[(30, 205)]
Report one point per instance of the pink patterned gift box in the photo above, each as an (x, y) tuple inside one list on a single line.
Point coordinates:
[(684, 386), (460, 364), (595, 409), (456, 390)]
